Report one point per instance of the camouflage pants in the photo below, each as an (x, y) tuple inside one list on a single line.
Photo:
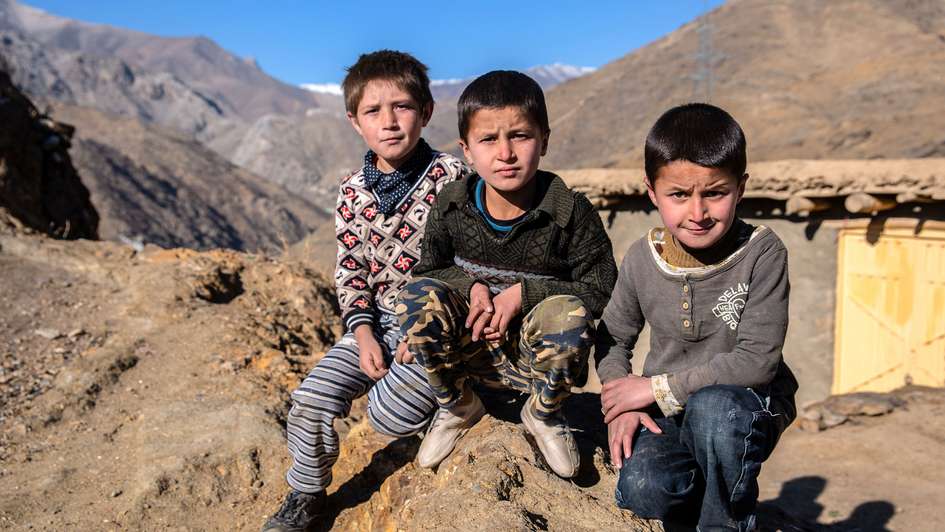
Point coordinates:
[(545, 353)]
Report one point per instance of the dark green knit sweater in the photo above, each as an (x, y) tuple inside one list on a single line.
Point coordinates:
[(559, 247)]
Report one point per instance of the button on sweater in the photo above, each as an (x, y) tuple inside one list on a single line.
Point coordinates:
[(723, 323)]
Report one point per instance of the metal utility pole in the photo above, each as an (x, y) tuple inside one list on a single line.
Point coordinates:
[(703, 78)]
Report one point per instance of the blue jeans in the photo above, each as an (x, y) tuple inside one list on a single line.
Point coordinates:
[(704, 468)]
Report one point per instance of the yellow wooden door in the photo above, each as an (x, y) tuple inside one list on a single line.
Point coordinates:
[(890, 322)]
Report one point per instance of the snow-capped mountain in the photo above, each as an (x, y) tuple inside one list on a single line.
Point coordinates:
[(323, 88), (546, 75), (550, 75), (448, 89)]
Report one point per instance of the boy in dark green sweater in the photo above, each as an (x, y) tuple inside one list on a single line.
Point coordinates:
[(516, 268)]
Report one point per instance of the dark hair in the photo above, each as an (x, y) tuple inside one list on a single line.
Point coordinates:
[(402, 69), (502, 88), (699, 133)]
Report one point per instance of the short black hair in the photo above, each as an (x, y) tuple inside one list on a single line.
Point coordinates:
[(699, 133), (502, 88), (400, 68)]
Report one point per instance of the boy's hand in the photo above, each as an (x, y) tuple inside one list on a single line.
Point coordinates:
[(370, 356), (480, 309), (403, 355), (624, 395), (508, 304), (620, 433)]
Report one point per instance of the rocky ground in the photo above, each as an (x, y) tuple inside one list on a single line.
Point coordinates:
[(878, 469), (142, 388), (147, 391)]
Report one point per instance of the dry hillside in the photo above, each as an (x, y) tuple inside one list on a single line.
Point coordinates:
[(168, 189), (838, 79), (237, 84)]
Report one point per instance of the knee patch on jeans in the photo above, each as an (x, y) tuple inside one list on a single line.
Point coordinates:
[(722, 406), (651, 493)]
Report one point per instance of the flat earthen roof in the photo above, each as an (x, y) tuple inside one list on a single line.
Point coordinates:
[(908, 179)]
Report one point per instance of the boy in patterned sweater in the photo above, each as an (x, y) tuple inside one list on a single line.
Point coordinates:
[(379, 222), (690, 434), (517, 267)]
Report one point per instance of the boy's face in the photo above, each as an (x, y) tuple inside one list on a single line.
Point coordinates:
[(389, 120), (696, 203), (504, 145)]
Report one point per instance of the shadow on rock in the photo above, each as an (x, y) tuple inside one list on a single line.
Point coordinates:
[(583, 413), (359, 488)]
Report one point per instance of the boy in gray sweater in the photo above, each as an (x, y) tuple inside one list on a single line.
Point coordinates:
[(689, 436)]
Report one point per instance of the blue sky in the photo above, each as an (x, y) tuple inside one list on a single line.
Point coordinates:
[(311, 41)]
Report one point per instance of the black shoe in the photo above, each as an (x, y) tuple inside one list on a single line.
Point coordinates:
[(299, 511)]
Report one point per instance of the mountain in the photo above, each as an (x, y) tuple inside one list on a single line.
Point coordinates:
[(840, 79), (323, 88), (296, 137), (187, 84), (292, 137), (114, 86), (156, 185), (237, 83), (449, 89), (547, 76), (144, 133), (307, 154), (557, 73)]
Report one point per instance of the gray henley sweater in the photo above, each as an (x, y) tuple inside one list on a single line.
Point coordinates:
[(719, 324)]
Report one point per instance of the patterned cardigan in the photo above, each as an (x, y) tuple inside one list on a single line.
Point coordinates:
[(376, 253)]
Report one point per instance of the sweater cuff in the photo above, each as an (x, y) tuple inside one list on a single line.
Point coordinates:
[(464, 285), (664, 395), (357, 317), (532, 294), (608, 372)]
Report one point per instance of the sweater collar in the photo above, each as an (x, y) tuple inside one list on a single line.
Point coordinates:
[(657, 237), (557, 199), (390, 188), (674, 253)]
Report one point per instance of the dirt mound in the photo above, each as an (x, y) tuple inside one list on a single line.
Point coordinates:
[(496, 479), (39, 187), (139, 388), (148, 390)]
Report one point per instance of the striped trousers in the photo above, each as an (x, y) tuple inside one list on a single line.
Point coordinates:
[(399, 405)]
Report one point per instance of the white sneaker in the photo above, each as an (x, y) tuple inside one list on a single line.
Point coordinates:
[(554, 440), (448, 427)]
